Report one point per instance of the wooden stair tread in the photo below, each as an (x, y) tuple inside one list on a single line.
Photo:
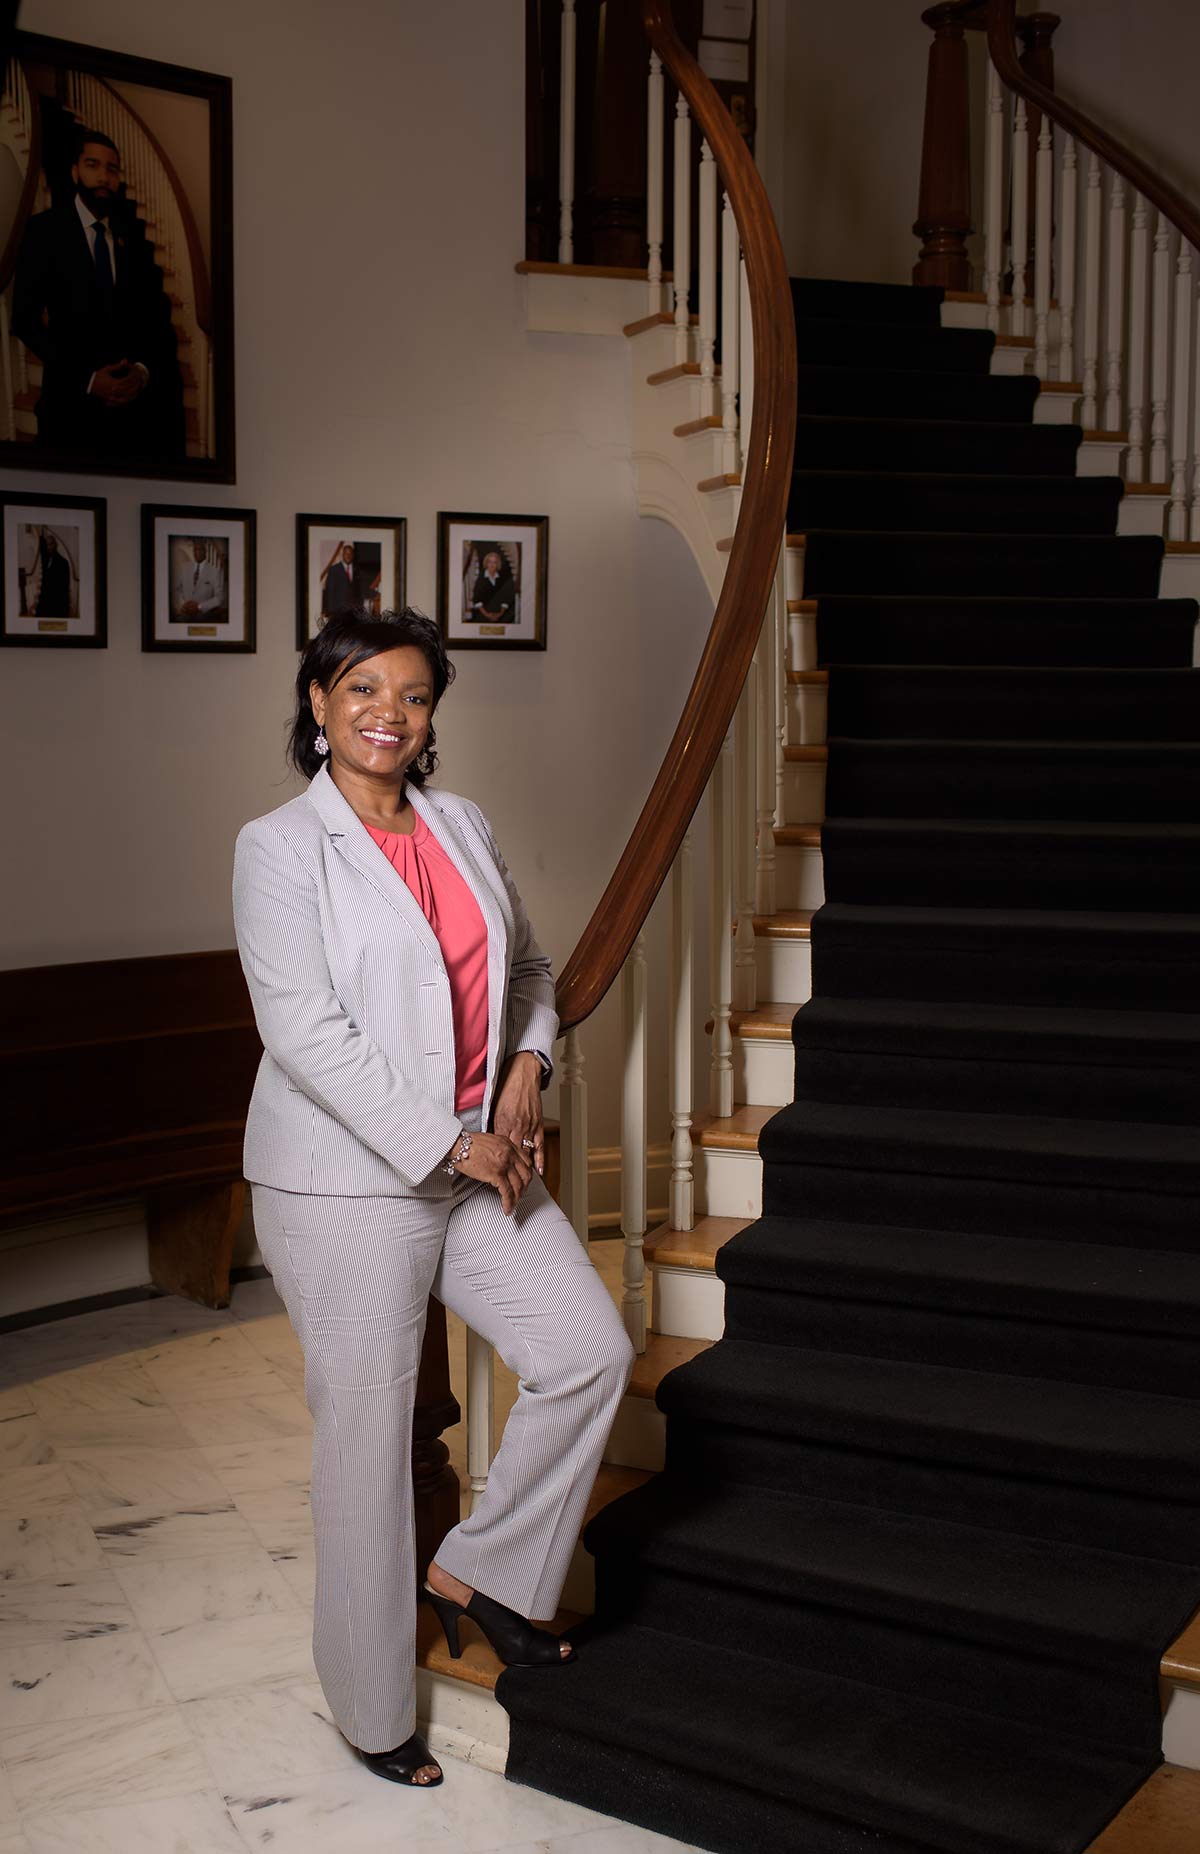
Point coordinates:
[(1160, 1818), (1093, 435), (811, 755), (683, 370), (798, 836), (1181, 1663), (479, 1666), (802, 606), (1147, 489), (737, 1133), (1015, 341), (691, 426), (785, 924), (694, 1248), (728, 479), (768, 1023), (1183, 547), (663, 1353), (663, 319), (539, 267), (1062, 386), (817, 676)]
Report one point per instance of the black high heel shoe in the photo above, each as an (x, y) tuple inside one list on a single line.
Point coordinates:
[(517, 1642), (402, 1764)]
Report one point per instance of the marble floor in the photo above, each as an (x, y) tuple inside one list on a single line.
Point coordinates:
[(157, 1692)]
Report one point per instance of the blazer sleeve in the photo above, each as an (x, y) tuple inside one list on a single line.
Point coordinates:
[(531, 1020), (301, 1021)]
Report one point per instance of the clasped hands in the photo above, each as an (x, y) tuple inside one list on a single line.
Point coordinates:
[(508, 1157)]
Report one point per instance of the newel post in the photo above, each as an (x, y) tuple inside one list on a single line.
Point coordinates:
[(435, 1483), (943, 221)]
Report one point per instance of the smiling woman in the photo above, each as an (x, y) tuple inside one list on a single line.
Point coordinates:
[(395, 1148)]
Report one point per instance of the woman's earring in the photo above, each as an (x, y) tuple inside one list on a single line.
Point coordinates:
[(321, 744)]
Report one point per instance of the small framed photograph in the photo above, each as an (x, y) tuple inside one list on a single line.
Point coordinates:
[(492, 581), (53, 569), (347, 561), (197, 578)]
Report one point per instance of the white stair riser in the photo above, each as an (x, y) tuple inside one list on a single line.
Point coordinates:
[(638, 1436), (1055, 409), (1180, 577), (689, 1303), (1181, 1727), (799, 878), (728, 1183), (763, 1071), (802, 640), (460, 1720), (964, 315), (794, 573), (1142, 515), (807, 709), (784, 968), (803, 791), (1010, 361), (1100, 457)]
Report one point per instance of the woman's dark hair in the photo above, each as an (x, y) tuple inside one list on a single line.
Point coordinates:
[(341, 645)]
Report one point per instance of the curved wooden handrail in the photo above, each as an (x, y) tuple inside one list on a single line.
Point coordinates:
[(29, 187), (1002, 45), (766, 477)]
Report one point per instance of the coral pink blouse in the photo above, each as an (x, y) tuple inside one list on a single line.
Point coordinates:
[(454, 914)]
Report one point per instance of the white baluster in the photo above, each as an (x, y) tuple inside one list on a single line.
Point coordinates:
[(681, 256), (721, 929), (1067, 260), (730, 339), (1020, 216), (764, 771), (778, 616), (481, 1397), (1160, 353), (1115, 306), (573, 1136), (1181, 395), (654, 185), (708, 277), (566, 138), (633, 1142), (993, 197), (1091, 296), (681, 990), (1135, 459), (746, 363), (745, 983), (1043, 235)]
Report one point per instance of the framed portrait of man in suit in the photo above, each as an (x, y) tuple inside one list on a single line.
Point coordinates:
[(116, 265), (53, 570), (347, 563), (198, 579)]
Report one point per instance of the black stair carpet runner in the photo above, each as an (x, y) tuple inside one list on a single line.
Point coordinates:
[(931, 1509)]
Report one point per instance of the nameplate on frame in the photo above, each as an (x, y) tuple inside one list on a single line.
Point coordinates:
[(491, 630), (53, 624), (202, 630)]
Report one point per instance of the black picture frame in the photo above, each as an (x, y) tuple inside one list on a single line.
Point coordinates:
[(319, 531), (55, 630), (186, 428), (165, 526), (514, 538)]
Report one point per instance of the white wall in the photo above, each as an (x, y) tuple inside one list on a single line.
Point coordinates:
[(409, 385)]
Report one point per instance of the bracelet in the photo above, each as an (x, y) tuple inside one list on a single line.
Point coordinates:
[(461, 1150)]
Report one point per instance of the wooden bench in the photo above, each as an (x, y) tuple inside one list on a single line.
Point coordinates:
[(131, 1078)]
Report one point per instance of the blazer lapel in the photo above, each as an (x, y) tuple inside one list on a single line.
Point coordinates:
[(353, 841)]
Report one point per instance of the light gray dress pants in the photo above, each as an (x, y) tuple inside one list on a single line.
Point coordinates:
[(355, 1274)]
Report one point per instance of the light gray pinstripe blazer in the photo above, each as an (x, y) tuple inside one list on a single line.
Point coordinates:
[(355, 1091)]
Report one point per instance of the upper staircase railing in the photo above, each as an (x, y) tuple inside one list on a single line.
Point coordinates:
[(1089, 258)]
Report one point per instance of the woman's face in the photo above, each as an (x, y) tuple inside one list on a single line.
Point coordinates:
[(376, 716)]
